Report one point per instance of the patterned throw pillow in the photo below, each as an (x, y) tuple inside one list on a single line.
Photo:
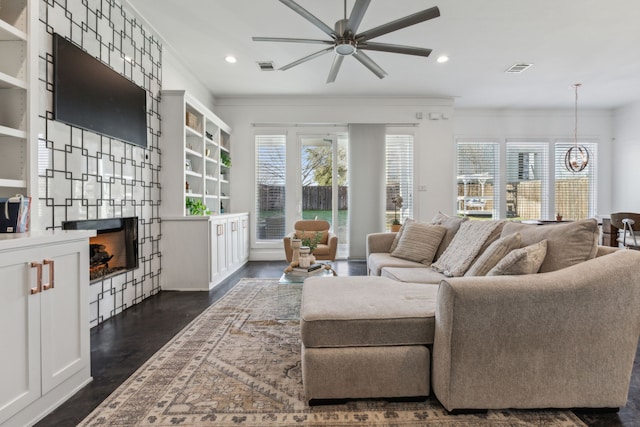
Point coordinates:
[(493, 254), (465, 246), (419, 242), (525, 260), (452, 224)]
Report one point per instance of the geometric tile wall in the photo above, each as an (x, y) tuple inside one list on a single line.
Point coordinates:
[(84, 175)]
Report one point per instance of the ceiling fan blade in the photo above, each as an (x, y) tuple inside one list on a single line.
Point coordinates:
[(306, 58), (357, 13), (335, 67), (290, 40), (368, 62), (309, 17), (398, 24), (394, 48)]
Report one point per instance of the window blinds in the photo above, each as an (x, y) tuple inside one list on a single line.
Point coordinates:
[(576, 192), (270, 186), (527, 183), (399, 164), (478, 186)]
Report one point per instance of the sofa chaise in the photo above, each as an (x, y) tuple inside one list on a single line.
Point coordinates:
[(563, 337)]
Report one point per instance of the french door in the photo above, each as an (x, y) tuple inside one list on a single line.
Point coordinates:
[(324, 186)]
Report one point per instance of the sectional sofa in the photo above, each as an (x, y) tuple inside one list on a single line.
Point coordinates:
[(502, 315)]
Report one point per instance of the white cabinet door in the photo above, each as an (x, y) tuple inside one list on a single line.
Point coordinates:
[(65, 345), (233, 241), (221, 232), (19, 333), (244, 238)]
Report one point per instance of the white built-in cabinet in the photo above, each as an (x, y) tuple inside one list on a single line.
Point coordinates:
[(198, 252), (44, 322), (18, 96), (193, 141)]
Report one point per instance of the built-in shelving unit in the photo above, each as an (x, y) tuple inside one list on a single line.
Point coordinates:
[(192, 141), (16, 99)]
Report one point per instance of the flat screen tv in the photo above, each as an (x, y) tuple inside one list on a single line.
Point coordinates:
[(90, 95)]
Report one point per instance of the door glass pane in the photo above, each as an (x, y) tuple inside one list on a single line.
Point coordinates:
[(477, 179), (343, 194), (527, 180), (399, 159), (270, 186)]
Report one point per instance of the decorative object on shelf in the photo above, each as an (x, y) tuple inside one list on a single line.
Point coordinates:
[(397, 204), (14, 215), (295, 246), (187, 164), (221, 208), (187, 187), (225, 158), (196, 206), (209, 135), (192, 121), (577, 157), (558, 217)]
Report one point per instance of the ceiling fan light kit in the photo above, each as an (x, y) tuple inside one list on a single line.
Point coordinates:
[(346, 41)]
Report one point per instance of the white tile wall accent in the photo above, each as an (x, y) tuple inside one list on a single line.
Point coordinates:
[(89, 176)]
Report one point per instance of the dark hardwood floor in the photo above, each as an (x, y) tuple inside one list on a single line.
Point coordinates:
[(120, 345)]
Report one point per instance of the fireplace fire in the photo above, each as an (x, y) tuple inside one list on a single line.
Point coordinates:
[(114, 249)]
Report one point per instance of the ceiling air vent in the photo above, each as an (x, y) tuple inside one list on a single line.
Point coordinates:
[(518, 68), (266, 66)]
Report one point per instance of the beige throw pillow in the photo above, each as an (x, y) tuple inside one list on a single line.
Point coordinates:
[(464, 247), (493, 254), (394, 244), (419, 242), (525, 260), (567, 244), (452, 224)]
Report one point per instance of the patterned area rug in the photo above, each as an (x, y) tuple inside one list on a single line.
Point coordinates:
[(238, 364)]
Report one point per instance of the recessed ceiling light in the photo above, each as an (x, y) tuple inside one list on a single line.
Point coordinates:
[(231, 59), (442, 59)]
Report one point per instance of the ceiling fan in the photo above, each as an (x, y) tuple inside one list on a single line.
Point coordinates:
[(346, 41)]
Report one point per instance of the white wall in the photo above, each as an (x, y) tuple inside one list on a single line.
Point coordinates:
[(433, 141), (551, 125), (626, 152), (175, 76)]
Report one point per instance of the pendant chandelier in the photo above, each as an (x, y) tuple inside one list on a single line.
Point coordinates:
[(577, 157)]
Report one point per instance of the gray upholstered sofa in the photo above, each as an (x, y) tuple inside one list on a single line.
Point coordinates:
[(564, 337)]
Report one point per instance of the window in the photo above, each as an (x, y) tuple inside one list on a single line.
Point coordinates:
[(399, 155), (477, 179), (527, 184), (576, 192), (270, 186)]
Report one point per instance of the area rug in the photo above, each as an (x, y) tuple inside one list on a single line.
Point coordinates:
[(238, 364)]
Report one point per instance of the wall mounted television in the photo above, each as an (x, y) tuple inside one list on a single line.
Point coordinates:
[(90, 95)]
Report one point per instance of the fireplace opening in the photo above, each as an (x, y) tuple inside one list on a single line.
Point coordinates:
[(114, 249)]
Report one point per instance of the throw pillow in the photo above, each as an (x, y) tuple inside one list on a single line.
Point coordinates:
[(567, 244), (464, 247), (452, 224), (394, 245), (419, 242), (494, 253), (525, 260)]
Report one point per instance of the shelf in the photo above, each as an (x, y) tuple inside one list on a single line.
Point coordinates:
[(192, 132), (208, 196), (10, 33), (193, 195), (15, 133), (224, 149), (192, 173), (8, 82), (209, 159), (13, 183), (193, 153), (211, 178)]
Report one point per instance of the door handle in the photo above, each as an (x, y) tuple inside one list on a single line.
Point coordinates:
[(38, 287), (49, 285)]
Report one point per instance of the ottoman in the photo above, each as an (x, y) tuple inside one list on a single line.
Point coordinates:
[(366, 337)]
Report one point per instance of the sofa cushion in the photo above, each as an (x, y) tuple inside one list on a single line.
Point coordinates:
[(493, 254), (413, 275), (525, 260), (366, 311), (452, 224), (378, 260), (419, 242), (465, 246), (567, 244)]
